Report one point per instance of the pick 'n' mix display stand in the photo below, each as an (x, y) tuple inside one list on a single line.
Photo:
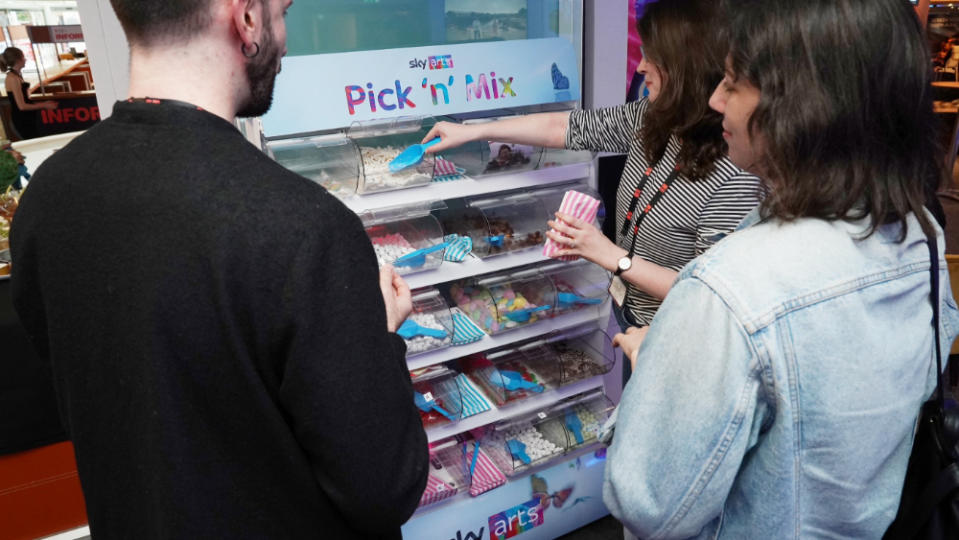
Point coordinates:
[(526, 395)]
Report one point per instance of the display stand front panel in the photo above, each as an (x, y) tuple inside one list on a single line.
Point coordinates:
[(539, 506)]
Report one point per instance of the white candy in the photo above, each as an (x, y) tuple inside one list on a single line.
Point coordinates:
[(376, 168), (426, 343)]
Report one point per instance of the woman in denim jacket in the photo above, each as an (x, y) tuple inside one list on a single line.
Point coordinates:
[(777, 390)]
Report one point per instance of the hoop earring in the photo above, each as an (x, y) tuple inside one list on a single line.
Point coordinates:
[(255, 52)]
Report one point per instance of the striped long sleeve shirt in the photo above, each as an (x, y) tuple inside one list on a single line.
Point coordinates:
[(689, 218)]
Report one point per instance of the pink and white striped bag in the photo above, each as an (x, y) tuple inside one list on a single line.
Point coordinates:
[(436, 490), (578, 205), (485, 476)]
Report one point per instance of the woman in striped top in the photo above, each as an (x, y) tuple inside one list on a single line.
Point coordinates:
[(672, 129)]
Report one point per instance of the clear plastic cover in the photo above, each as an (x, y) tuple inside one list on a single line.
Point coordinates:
[(506, 301), (516, 222), (446, 474), (559, 157), (527, 442), (579, 285), (583, 416), (381, 142), (430, 326), (410, 240), (500, 157), (331, 161), (437, 396), (582, 353), (511, 375)]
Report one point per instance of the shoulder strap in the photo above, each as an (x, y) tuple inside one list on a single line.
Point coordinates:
[(934, 298)]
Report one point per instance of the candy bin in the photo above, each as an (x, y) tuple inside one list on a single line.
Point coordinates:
[(500, 157), (582, 353), (529, 441), (379, 142), (579, 285), (511, 374), (504, 301), (583, 417), (437, 396), (331, 161), (559, 157), (446, 473), (471, 157), (430, 326), (515, 222), (458, 217), (409, 237)]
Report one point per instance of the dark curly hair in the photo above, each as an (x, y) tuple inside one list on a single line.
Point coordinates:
[(684, 38), (846, 121)]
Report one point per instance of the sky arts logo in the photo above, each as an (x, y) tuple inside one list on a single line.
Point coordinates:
[(516, 520), (433, 62), (441, 62)]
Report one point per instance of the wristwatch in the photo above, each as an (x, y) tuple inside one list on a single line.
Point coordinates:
[(623, 265)]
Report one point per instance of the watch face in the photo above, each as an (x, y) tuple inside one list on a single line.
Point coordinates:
[(625, 263)]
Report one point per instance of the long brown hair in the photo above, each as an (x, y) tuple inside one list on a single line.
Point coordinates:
[(846, 121), (9, 57), (684, 38)]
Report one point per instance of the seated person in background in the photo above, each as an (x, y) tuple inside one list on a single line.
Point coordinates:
[(23, 111)]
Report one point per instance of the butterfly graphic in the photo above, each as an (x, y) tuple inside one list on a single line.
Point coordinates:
[(541, 491), (577, 501), (560, 81)]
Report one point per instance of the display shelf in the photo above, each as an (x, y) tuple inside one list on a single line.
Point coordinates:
[(469, 187), (532, 405), (519, 477), (473, 266), (561, 322)]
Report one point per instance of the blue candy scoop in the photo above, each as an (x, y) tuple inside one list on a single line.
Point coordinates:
[(410, 329), (418, 258), (567, 299), (426, 406), (411, 156), (575, 425), (523, 315), (518, 450), (512, 380)]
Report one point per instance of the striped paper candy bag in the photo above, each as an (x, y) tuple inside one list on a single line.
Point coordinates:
[(439, 486), (485, 476), (578, 205)]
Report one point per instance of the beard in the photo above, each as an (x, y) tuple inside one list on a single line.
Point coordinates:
[(261, 72)]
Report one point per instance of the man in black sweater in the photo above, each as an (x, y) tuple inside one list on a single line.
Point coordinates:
[(221, 341)]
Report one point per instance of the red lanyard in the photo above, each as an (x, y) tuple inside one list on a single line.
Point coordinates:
[(649, 207)]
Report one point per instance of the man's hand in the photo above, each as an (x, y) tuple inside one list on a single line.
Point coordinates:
[(396, 295), (630, 342)]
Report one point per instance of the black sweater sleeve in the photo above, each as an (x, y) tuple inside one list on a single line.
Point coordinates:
[(345, 383)]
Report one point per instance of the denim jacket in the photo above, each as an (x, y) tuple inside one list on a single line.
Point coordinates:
[(777, 392)]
